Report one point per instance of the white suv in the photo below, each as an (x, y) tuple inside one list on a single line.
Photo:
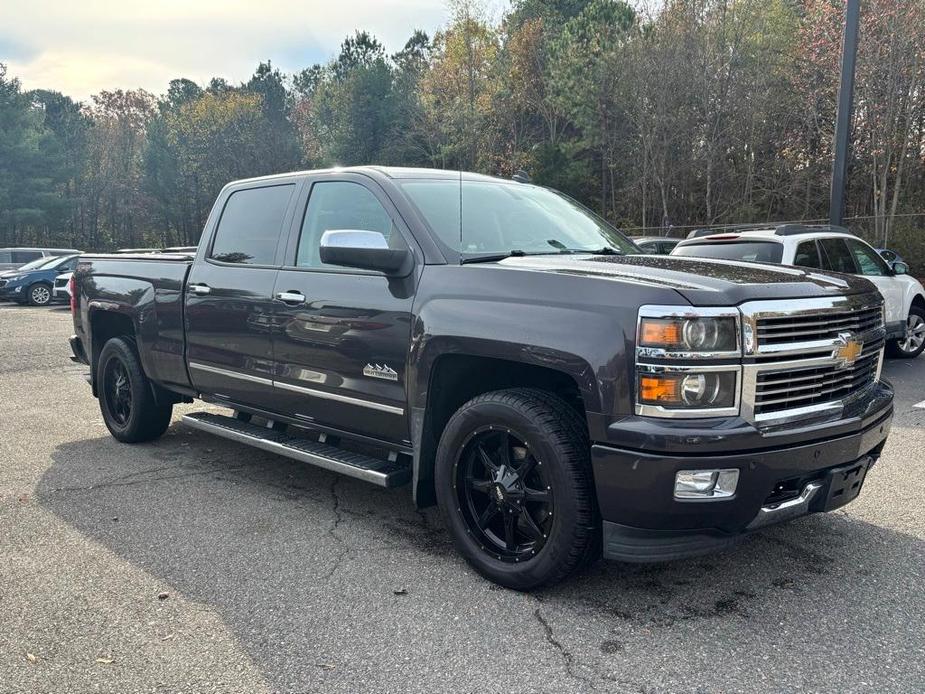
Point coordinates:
[(833, 249)]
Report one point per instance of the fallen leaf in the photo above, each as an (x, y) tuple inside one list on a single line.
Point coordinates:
[(104, 661), (31, 657), (163, 596), (400, 591), (326, 666)]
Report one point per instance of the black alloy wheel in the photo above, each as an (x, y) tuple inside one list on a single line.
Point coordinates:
[(504, 494), (129, 407), (515, 487), (117, 394)]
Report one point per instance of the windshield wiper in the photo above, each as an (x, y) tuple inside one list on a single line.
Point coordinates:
[(492, 257), (562, 248)]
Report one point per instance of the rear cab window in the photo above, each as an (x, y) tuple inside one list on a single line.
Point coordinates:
[(746, 250), (251, 224)]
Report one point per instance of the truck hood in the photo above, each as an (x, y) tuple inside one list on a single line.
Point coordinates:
[(703, 282)]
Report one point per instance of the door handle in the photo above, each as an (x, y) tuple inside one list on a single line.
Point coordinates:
[(199, 289), (291, 297)]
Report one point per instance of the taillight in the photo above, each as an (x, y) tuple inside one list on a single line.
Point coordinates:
[(72, 291)]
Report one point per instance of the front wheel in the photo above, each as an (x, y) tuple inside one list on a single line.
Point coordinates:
[(913, 342), (39, 295), (128, 406), (514, 484)]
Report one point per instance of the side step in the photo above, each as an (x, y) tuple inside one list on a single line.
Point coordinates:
[(384, 473)]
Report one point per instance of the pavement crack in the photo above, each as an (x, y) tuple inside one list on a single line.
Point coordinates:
[(129, 481), (566, 654), (332, 531)]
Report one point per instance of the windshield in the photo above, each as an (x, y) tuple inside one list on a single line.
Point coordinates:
[(750, 251), (500, 217), (39, 262)]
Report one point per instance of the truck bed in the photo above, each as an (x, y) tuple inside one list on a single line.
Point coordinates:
[(147, 289)]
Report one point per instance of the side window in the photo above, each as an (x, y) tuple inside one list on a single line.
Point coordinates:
[(340, 205), (807, 255), (68, 266), (868, 260), (5, 257), (838, 257), (250, 226), (26, 256)]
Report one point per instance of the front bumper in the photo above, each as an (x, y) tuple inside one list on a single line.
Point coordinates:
[(13, 293), (644, 522)]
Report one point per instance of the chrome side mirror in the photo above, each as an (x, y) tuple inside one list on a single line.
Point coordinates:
[(366, 250)]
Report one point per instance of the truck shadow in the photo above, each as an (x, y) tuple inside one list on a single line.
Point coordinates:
[(277, 547)]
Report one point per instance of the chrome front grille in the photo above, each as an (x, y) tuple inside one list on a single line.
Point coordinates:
[(804, 328), (801, 358), (784, 390)]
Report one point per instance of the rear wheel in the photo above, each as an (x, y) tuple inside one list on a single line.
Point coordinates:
[(128, 406), (913, 342), (514, 484), (39, 294)]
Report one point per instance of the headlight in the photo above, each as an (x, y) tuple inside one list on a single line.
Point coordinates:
[(705, 334), (682, 389), (14, 278)]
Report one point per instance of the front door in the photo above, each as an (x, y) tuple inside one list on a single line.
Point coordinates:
[(343, 335), (229, 302), (874, 268)]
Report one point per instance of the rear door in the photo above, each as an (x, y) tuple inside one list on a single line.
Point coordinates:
[(229, 302), (343, 335)]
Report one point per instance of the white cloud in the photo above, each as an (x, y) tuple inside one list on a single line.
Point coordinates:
[(82, 47)]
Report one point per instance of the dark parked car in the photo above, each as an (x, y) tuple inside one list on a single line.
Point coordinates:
[(507, 353), (655, 245), (34, 283)]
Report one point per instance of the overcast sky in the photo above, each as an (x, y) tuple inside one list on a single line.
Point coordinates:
[(82, 46)]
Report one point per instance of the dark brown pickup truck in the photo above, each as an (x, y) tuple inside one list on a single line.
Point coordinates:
[(507, 353)]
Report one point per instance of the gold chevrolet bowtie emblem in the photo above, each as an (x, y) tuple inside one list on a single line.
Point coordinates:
[(848, 349)]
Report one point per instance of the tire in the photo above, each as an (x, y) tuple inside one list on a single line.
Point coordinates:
[(910, 346), (531, 439), (126, 400), (39, 294)]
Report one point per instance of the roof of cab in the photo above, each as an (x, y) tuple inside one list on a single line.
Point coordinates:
[(396, 172)]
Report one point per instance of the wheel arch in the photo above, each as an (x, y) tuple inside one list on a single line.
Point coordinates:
[(105, 324), (452, 378)]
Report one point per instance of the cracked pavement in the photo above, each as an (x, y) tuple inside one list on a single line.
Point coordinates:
[(283, 578)]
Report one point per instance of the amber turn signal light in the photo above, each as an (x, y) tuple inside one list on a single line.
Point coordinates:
[(656, 332), (660, 388)]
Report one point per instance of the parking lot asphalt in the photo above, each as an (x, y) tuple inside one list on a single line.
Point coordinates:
[(192, 564)]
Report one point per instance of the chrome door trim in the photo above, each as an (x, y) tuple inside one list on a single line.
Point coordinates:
[(391, 409), (382, 407), (231, 374)]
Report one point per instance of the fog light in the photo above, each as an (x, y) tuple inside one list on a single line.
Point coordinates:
[(705, 484)]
